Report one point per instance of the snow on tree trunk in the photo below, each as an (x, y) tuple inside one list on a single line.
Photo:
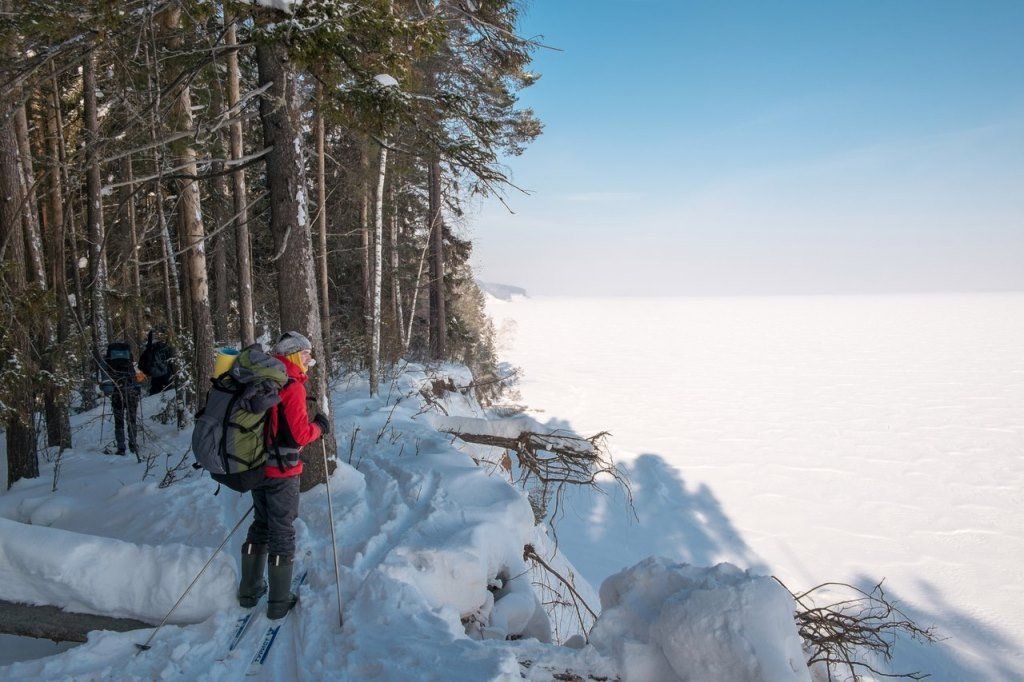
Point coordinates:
[(191, 217), (172, 289), (378, 241), (321, 222), (61, 180), (243, 258), (58, 423), (133, 236), (438, 317), (396, 291), (364, 226), (416, 294), (220, 209), (94, 211), (289, 224)]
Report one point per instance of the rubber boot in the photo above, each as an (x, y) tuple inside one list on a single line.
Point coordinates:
[(252, 586), (281, 598)]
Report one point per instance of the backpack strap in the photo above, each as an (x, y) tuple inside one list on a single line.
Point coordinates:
[(274, 443), (236, 393)]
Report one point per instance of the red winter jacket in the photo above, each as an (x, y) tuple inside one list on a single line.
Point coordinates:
[(288, 424)]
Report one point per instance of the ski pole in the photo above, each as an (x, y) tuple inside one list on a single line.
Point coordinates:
[(334, 540), (145, 646), (103, 418)]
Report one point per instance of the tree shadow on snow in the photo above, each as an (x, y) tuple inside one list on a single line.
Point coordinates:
[(970, 650), (601, 536)]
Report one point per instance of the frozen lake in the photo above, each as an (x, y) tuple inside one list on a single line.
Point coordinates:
[(816, 438)]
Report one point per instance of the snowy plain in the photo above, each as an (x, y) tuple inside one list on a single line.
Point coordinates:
[(816, 438)]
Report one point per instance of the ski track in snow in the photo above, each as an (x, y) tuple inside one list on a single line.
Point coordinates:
[(819, 438)]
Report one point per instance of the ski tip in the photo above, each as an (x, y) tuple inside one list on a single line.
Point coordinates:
[(143, 647)]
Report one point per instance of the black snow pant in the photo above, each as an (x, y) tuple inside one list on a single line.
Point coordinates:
[(159, 384), (276, 506), (125, 403)]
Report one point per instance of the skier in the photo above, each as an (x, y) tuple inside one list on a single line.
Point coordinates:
[(271, 537), (120, 383), (157, 361)]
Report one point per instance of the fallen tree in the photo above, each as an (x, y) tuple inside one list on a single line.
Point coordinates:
[(50, 622), (551, 460)]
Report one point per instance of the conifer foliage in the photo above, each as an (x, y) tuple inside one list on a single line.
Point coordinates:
[(228, 170)]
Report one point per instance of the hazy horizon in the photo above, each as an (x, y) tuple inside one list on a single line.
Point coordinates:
[(765, 294)]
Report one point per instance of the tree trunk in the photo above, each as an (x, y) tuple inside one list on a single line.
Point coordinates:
[(191, 217), (59, 155), (30, 214), (321, 222), (378, 241), (78, 311), (94, 212), (22, 461), (172, 290), (246, 316), (51, 622), (221, 214), (289, 224), (45, 340), (58, 424), (221, 329), (133, 239), (416, 293), (438, 318), (364, 230), (396, 291)]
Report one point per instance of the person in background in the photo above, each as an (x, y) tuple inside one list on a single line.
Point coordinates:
[(157, 361), (119, 381), (271, 537)]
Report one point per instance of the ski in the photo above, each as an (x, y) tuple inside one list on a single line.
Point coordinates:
[(242, 626), (270, 635)]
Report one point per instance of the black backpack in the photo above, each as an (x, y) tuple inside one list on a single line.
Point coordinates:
[(120, 364), (156, 358)]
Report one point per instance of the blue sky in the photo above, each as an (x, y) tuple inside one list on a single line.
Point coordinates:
[(696, 148)]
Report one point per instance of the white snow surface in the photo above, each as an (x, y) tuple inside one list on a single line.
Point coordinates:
[(90, 574), (669, 621), (423, 531), (815, 438)]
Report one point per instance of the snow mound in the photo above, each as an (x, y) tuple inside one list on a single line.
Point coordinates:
[(92, 574), (662, 620)]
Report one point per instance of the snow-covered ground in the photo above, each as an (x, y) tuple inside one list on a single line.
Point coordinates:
[(816, 438), (430, 537)]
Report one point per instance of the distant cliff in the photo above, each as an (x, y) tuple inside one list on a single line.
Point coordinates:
[(503, 291)]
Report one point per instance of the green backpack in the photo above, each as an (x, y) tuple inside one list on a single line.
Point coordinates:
[(228, 436)]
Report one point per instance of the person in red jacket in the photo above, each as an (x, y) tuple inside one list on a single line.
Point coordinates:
[(271, 538)]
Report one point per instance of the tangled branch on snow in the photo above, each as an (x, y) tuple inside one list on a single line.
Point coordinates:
[(838, 634), (553, 458), (575, 598)]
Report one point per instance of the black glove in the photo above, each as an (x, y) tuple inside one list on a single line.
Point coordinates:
[(323, 423)]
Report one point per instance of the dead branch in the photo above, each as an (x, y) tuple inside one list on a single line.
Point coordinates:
[(840, 633), (530, 554), (553, 458)]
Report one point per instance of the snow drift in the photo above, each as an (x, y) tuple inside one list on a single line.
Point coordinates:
[(662, 620), (92, 574)]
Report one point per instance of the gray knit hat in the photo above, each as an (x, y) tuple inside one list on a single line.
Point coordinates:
[(291, 342)]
